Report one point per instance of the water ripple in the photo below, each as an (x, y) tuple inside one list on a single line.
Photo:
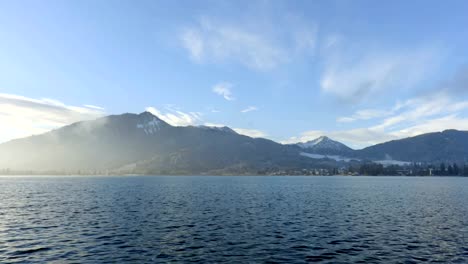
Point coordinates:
[(233, 219)]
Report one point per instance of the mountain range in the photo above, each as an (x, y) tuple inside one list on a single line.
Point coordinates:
[(145, 144)]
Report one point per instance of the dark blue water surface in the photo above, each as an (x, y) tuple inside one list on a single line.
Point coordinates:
[(233, 219)]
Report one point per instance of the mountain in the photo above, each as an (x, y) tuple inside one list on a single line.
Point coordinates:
[(144, 144), (100, 144), (449, 145), (325, 146), (446, 146)]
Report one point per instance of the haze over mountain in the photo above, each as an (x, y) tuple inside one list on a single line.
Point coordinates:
[(144, 144)]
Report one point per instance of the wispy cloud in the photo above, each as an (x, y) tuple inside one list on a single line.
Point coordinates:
[(254, 133), (193, 41), (354, 78), (452, 121), (249, 109), (224, 89), (208, 124), (251, 132), (22, 116), (365, 114), (94, 107), (176, 117), (431, 113), (208, 41), (456, 86), (418, 110)]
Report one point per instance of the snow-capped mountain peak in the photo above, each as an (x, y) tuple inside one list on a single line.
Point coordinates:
[(324, 144), (315, 142), (149, 123), (322, 141)]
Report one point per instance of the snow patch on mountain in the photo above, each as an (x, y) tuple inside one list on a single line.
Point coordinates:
[(323, 143), (150, 127)]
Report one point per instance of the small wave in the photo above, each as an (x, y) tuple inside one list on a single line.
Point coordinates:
[(30, 251)]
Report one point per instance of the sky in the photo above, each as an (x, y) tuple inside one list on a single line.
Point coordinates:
[(360, 72)]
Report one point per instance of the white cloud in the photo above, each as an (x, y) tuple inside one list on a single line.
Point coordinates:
[(251, 132), (218, 42), (224, 89), (254, 133), (21, 116), (364, 114), (433, 125), (413, 117), (94, 107), (354, 78), (249, 109), (175, 117), (417, 110), (214, 125), (193, 42), (457, 85), (355, 138), (178, 118)]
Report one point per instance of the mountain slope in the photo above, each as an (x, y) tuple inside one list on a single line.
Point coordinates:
[(449, 145), (98, 144), (143, 143)]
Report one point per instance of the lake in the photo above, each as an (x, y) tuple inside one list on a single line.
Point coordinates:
[(233, 219)]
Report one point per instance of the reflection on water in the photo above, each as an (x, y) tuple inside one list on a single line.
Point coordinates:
[(233, 219)]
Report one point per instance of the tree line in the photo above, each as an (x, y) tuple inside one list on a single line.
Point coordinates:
[(443, 169)]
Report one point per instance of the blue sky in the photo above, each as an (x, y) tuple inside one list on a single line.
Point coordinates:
[(361, 72)]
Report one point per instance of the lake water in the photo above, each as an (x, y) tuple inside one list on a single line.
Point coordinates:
[(233, 219)]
